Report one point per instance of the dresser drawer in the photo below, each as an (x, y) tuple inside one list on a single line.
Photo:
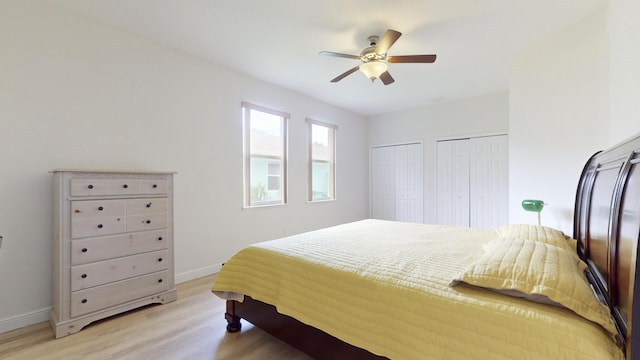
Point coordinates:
[(97, 226), (100, 297), (104, 272), (153, 187), (146, 206), (88, 187), (146, 222), (97, 209), (118, 186), (123, 186), (85, 251)]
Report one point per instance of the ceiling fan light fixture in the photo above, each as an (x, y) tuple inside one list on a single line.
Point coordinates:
[(373, 69)]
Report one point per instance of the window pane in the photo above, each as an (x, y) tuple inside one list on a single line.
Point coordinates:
[(274, 168), (322, 161), (264, 186), (266, 134), (320, 181), (265, 152)]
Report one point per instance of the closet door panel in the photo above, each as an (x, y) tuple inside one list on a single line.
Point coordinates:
[(383, 183), (401, 174), (445, 182), (453, 182), (461, 183), (415, 183), (408, 194), (489, 181)]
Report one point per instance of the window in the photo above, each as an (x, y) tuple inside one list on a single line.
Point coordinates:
[(322, 161), (265, 156)]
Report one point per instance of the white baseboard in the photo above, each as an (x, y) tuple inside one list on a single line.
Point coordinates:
[(22, 320), (198, 273), (34, 317)]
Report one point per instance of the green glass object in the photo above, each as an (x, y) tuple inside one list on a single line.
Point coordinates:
[(533, 205)]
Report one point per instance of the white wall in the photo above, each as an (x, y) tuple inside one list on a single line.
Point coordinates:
[(76, 94), (559, 98), (624, 69), (480, 115), (574, 94)]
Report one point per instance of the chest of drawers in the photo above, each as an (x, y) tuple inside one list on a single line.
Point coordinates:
[(113, 244)]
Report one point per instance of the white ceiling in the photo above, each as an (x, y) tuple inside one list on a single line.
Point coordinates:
[(278, 41)]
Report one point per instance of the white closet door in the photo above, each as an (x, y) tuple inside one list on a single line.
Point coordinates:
[(397, 183), (488, 160), (453, 182), (472, 181), (383, 183)]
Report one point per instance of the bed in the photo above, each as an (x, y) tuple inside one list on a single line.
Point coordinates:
[(376, 289)]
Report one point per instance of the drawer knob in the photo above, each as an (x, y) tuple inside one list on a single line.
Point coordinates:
[(84, 301), (125, 186), (148, 221), (155, 186), (159, 259), (160, 238), (148, 205), (159, 280), (84, 276), (84, 249), (100, 226), (100, 208), (90, 186)]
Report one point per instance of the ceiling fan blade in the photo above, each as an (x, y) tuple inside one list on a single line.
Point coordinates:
[(346, 73), (335, 54), (386, 78), (412, 59), (388, 39)]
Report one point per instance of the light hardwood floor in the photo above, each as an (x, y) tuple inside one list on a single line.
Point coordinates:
[(193, 327)]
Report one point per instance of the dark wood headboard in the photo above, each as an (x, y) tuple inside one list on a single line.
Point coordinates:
[(607, 226)]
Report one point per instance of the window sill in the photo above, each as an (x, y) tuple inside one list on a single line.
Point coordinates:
[(320, 201), (262, 206)]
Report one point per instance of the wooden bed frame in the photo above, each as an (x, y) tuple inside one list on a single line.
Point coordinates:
[(606, 225)]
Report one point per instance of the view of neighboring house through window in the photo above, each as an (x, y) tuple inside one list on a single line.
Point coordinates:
[(265, 155), (322, 173)]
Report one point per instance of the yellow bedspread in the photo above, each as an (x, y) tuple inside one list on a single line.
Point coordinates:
[(384, 286)]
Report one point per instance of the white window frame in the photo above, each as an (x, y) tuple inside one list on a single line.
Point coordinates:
[(332, 164), (246, 129)]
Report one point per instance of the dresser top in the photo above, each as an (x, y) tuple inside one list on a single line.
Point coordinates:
[(111, 171)]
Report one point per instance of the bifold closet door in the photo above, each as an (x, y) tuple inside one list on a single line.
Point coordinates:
[(396, 183), (472, 181)]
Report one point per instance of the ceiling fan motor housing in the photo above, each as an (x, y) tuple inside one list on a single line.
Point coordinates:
[(369, 54), (373, 40)]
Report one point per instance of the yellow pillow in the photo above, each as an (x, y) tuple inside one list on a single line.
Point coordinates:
[(537, 233), (536, 270)]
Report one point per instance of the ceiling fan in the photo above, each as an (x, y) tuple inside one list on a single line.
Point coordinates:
[(374, 58)]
